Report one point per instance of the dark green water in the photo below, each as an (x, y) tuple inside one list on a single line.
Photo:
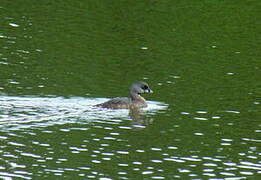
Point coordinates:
[(201, 58)]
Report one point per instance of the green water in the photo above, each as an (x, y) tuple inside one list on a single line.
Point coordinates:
[(201, 58)]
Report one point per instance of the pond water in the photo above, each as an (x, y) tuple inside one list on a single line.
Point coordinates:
[(201, 59), (29, 112)]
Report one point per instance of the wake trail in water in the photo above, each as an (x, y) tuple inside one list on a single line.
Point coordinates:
[(28, 112)]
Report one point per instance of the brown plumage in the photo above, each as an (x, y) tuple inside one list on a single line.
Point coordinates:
[(134, 101)]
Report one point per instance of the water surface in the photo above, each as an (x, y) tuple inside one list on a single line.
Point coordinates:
[(201, 58)]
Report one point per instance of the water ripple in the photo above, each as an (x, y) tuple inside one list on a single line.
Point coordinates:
[(86, 141), (33, 112)]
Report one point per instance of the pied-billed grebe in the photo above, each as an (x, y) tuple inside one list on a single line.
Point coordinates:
[(134, 101)]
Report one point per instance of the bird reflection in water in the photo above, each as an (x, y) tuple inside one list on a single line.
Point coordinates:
[(139, 119)]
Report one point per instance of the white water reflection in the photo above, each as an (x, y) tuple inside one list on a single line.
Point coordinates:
[(27, 112), (94, 139)]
